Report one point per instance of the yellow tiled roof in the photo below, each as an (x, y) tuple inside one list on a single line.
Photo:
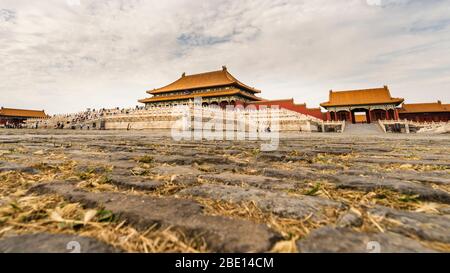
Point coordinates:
[(230, 92), (9, 112), (361, 97), (425, 107), (203, 80)]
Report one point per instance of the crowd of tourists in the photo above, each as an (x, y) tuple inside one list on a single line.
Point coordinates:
[(64, 121), (11, 125), (92, 114)]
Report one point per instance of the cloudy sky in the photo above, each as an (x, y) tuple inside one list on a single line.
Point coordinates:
[(68, 55)]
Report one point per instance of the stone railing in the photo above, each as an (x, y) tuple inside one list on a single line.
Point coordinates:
[(382, 126), (333, 126), (165, 117), (407, 126)]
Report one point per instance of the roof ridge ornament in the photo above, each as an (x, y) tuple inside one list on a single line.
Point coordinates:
[(224, 68), (183, 75)]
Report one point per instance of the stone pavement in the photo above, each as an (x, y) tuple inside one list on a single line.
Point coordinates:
[(363, 129), (120, 191)]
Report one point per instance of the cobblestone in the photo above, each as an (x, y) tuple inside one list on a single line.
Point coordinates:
[(333, 192)]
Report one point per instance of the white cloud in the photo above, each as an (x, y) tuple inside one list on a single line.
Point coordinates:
[(61, 56)]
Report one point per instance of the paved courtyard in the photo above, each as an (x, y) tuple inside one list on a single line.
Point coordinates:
[(141, 191)]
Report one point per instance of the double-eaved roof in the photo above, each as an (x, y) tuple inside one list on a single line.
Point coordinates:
[(204, 80), (228, 92), (436, 107), (22, 113), (361, 97)]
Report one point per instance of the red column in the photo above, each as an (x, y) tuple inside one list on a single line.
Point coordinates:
[(387, 114), (328, 116), (351, 117)]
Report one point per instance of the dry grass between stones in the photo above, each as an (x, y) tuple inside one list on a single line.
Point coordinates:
[(290, 229), (50, 213), (21, 214)]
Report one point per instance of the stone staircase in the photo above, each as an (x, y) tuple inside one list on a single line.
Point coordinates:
[(363, 129)]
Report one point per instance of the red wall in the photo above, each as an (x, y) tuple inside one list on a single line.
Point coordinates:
[(428, 117), (290, 105)]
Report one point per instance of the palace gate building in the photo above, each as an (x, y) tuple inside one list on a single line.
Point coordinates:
[(15, 117), (362, 106)]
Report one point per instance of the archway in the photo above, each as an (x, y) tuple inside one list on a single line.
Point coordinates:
[(360, 115), (378, 114), (333, 116), (223, 104), (205, 104), (343, 115)]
